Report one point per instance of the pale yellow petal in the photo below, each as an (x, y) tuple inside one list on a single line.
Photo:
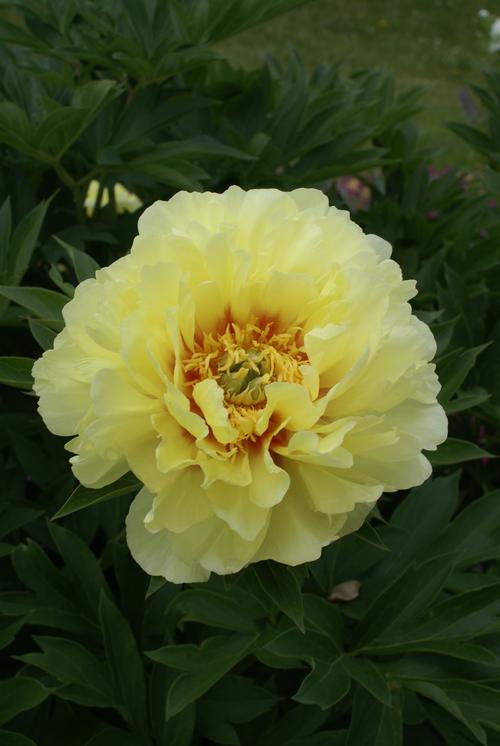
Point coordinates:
[(176, 449), (210, 399), (296, 532), (289, 402), (333, 494), (178, 406), (269, 482), (165, 554), (181, 503), (227, 552), (113, 394), (231, 467), (93, 468), (233, 505)]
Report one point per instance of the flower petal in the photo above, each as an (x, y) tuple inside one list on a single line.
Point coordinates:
[(209, 396), (165, 554), (180, 504), (269, 482), (233, 505), (289, 402), (297, 533), (332, 494)]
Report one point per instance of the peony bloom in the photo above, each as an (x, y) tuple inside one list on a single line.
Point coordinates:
[(125, 201), (254, 361)]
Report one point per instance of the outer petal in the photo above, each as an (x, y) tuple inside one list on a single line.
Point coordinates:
[(228, 552), (182, 503), (171, 556), (233, 505), (333, 494), (296, 532)]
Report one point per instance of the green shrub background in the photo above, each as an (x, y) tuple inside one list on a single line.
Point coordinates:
[(93, 651)]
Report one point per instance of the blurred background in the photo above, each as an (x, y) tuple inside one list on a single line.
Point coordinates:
[(441, 45)]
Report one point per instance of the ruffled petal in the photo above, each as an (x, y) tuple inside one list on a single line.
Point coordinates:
[(296, 532), (289, 403), (180, 504), (210, 399), (166, 554), (232, 504)]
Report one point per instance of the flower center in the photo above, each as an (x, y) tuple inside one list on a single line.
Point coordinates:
[(244, 359)]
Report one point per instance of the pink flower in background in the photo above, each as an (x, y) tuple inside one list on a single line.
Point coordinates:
[(355, 192), (435, 172)]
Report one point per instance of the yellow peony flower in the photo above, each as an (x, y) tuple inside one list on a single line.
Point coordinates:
[(254, 361), (125, 201)]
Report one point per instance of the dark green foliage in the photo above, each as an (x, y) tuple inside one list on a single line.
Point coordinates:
[(94, 653)]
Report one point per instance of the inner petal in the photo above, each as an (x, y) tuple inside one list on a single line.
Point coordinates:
[(238, 363)]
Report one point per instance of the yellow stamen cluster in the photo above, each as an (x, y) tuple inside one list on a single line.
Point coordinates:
[(243, 360)]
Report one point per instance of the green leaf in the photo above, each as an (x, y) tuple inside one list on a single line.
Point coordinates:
[(455, 451), (32, 458), (325, 617), (456, 616), (297, 723), (83, 565), (114, 737), (310, 646), (14, 517), (199, 147), (54, 605), (451, 648), (472, 135), (466, 400), (8, 738), (64, 124), (15, 129), (203, 666), (236, 611), (65, 287), (324, 686), (415, 526), (9, 630), (409, 594), (441, 697), (451, 730), (5, 231), (16, 371), (234, 699), (454, 371), (372, 724), (154, 585), (237, 699), (47, 304), (125, 663), (84, 497), (18, 695), (472, 534), (179, 730), (55, 133), (44, 335), (85, 679), (370, 677), (83, 264), (369, 534), (279, 582), (24, 240)]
